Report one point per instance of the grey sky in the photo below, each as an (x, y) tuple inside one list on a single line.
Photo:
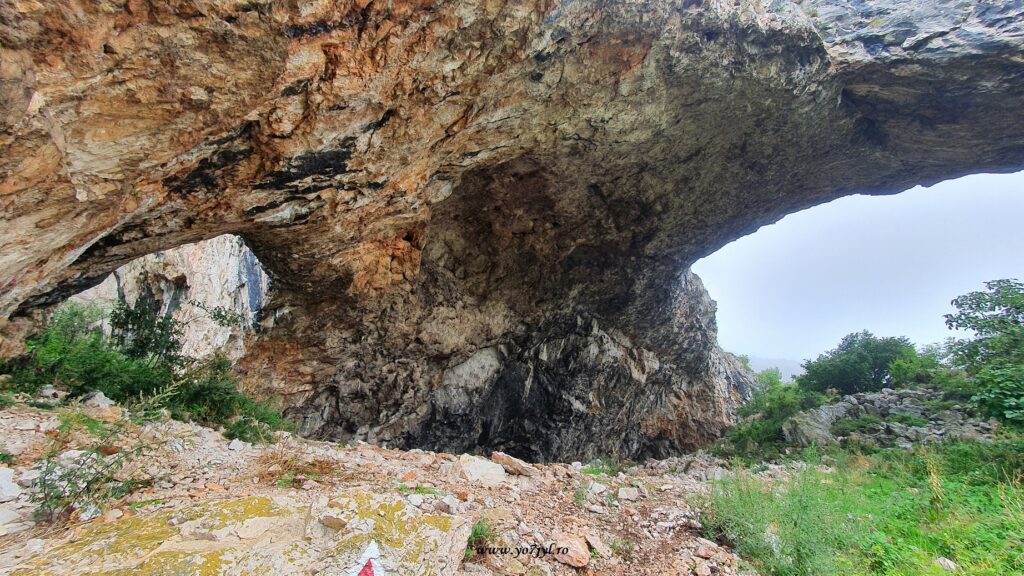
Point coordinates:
[(889, 264)]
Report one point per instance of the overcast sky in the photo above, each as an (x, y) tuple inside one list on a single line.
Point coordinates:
[(888, 264)]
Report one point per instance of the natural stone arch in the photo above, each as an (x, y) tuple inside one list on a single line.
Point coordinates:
[(355, 146)]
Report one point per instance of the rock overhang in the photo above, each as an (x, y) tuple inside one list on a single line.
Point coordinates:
[(426, 180)]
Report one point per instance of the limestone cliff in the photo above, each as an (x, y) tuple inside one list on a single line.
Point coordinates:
[(478, 216)]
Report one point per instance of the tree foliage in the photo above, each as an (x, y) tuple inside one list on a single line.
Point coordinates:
[(859, 364), (996, 316), (995, 355)]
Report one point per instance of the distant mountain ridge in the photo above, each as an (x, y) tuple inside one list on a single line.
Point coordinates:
[(790, 368)]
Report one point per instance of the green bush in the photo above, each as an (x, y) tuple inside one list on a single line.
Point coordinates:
[(1001, 393), (772, 404), (995, 355), (847, 426), (859, 364), (141, 358)]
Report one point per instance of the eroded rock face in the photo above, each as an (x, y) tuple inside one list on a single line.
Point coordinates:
[(478, 216)]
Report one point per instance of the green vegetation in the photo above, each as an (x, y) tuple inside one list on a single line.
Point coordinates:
[(68, 420), (605, 465), (140, 358), (995, 355), (864, 423), (859, 364), (481, 534), (622, 548), (580, 496), (891, 513), (774, 402), (87, 480), (145, 503), (422, 490), (6, 457)]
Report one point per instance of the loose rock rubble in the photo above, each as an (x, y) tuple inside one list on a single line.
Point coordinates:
[(306, 507)]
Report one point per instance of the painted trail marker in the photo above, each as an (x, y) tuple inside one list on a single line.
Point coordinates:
[(368, 563)]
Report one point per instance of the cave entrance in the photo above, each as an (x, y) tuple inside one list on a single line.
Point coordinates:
[(888, 264), (219, 272)]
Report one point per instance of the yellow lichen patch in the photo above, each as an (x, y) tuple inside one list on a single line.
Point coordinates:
[(442, 523), (414, 538), (134, 536), (173, 564), (227, 512), (124, 543)]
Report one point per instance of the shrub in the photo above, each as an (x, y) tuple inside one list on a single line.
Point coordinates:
[(847, 426), (622, 548), (772, 404), (859, 364), (141, 358), (481, 534), (1001, 393)]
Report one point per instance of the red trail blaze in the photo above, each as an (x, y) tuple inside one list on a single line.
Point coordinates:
[(367, 569)]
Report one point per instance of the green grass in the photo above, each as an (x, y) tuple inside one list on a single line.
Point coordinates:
[(892, 513), (72, 419), (481, 534), (606, 466), (937, 405), (580, 496), (144, 503), (6, 457), (422, 490), (6, 400), (847, 426), (622, 548)]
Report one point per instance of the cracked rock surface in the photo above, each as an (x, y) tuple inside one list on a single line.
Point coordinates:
[(478, 217)]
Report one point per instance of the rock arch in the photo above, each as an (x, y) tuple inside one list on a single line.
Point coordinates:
[(479, 216)]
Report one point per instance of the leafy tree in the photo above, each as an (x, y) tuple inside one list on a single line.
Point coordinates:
[(769, 377), (995, 356), (141, 332), (859, 364), (996, 316)]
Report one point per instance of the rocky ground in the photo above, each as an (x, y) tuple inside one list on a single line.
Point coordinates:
[(888, 418), (208, 505)]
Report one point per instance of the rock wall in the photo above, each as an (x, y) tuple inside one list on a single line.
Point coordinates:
[(479, 216), (220, 272)]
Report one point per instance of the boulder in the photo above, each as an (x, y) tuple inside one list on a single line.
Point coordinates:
[(513, 465), (479, 470), (9, 490), (814, 426), (572, 550), (97, 399), (628, 493)]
